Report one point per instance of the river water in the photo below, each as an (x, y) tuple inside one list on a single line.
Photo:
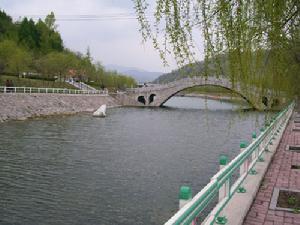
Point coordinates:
[(123, 169)]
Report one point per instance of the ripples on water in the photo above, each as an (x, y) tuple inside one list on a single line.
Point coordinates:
[(123, 169)]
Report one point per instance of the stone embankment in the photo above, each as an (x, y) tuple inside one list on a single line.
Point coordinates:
[(23, 106)]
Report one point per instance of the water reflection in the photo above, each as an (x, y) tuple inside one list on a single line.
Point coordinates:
[(124, 169), (202, 103)]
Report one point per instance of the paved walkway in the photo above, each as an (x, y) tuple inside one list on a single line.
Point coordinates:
[(279, 174)]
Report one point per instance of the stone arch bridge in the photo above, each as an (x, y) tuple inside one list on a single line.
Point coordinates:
[(157, 95)]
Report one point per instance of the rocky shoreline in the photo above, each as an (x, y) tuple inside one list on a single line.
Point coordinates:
[(24, 106)]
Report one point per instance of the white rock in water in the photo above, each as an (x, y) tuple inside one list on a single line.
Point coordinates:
[(101, 112)]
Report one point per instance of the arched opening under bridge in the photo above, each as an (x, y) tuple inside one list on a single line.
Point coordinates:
[(212, 92)]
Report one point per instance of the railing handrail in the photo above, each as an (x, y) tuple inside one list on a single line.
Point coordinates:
[(192, 209), (46, 90), (179, 82), (80, 85)]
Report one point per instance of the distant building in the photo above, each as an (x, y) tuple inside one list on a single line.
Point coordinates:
[(75, 76)]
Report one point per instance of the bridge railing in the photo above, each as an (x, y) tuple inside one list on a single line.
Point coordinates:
[(178, 82), (159, 86), (29, 90), (220, 182), (80, 85)]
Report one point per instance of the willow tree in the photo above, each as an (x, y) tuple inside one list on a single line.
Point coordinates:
[(254, 43)]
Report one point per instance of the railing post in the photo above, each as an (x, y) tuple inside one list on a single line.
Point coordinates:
[(244, 166), (262, 144), (269, 135), (224, 190), (254, 153), (185, 196), (4, 91)]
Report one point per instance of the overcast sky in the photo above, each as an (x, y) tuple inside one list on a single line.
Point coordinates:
[(111, 40)]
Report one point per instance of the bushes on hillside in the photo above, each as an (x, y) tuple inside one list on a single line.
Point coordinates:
[(37, 49)]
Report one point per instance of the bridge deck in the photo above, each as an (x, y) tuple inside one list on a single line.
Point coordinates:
[(279, 175)]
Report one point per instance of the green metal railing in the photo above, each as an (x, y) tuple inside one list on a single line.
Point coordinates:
[(220, 182)]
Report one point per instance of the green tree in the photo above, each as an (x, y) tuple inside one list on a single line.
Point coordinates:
[(56, 64), (28, 34), (50, 40), (255, 36), (13, 58), (44, 34), (56, 42), (50, 21), (88, 54), (26, 46), (7, 27), (86, 70)]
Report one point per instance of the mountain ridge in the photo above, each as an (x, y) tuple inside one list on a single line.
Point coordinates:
[(140, 75), (193, 69)]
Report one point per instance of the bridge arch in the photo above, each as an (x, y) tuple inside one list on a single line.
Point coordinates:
[(151, 98), (141, 99), (161, 93), (212, 85)]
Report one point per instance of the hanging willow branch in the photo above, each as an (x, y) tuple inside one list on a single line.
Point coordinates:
[(253, 42)]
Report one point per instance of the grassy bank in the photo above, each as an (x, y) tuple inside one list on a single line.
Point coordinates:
[(214, 92), (210, 90), (25, 82)]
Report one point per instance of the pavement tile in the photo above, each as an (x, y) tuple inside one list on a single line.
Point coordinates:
[(280, 175)]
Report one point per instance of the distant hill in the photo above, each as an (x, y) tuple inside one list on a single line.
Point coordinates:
[(139, 74), (194, 69), (214, 66)]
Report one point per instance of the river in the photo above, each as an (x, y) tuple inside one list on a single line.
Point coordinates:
[(123, 169)]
